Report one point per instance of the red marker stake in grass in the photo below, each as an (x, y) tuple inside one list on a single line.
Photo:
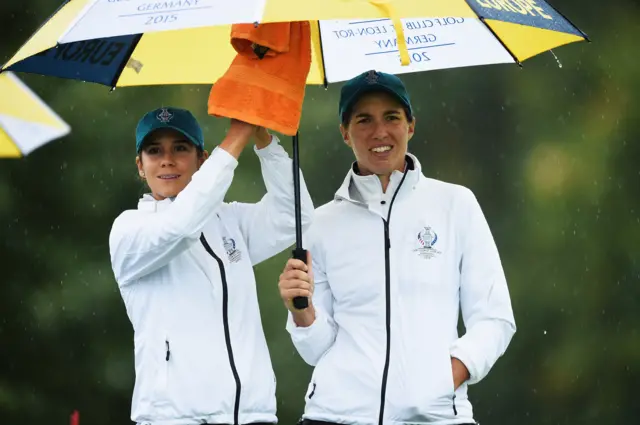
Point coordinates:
[(75, 418)]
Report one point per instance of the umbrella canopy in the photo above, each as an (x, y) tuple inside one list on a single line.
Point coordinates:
[(120, 44), (121, 25), (26, 122)]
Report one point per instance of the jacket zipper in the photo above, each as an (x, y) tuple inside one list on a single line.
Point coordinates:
[(225, 323), (387, 273)]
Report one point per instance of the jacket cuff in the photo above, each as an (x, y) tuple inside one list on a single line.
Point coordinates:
[(273, 148), (459, 352), (222, 158), (304, 333)]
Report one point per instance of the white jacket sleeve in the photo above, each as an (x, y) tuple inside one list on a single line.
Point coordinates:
[(313, 341), (268, 226), (484, 295), (141, 244)]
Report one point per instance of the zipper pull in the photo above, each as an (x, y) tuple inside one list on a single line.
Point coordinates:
[(455, 411), (387, 239), (168, 351), (313, 391)]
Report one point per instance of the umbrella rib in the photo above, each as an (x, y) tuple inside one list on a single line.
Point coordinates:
[(500, 41), (37, 30), (121, 67), (325, 83)]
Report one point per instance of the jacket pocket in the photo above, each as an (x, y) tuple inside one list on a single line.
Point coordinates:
[(163, 356), (311, 390), (443, 373), (453, 393)]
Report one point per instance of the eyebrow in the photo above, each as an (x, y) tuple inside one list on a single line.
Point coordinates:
[(155, 143), (388, 112)]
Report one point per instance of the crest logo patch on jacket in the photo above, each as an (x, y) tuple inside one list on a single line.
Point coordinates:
[(427, 238), (234, 254)]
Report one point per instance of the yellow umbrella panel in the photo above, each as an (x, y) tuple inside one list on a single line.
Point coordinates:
[(26, 122)]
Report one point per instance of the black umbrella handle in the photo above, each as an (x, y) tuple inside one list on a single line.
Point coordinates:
[(300, 302), (299, 253)]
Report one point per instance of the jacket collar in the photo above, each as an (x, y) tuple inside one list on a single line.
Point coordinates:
[(150, 204), (367, 189)]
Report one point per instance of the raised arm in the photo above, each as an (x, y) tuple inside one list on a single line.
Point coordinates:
[(268, 226), (140, 244)]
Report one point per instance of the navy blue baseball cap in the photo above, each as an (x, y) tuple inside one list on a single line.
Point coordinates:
[(178, 119), (372, 81)]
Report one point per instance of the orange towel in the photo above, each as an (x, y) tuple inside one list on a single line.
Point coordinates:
[(267, 92)]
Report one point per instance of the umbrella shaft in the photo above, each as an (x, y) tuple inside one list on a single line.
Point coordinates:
[(296, 191)]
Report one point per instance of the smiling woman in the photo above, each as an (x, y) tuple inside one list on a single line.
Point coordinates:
[(170, 149), (378, 129), (167, 161), (396, 256), (377, 124), (183, 260)]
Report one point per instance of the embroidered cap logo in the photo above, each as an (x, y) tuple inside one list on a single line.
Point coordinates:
[(372, 77), (165, 116)]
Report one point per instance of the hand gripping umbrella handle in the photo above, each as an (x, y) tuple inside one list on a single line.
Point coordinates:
[(300, 302), (299, 253)]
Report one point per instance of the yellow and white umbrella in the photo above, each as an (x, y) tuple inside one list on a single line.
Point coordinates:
[(122, 43), (26, 122), (139, 42)]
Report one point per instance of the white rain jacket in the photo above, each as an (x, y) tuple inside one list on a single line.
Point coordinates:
[(185, 272), (391, 274)]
